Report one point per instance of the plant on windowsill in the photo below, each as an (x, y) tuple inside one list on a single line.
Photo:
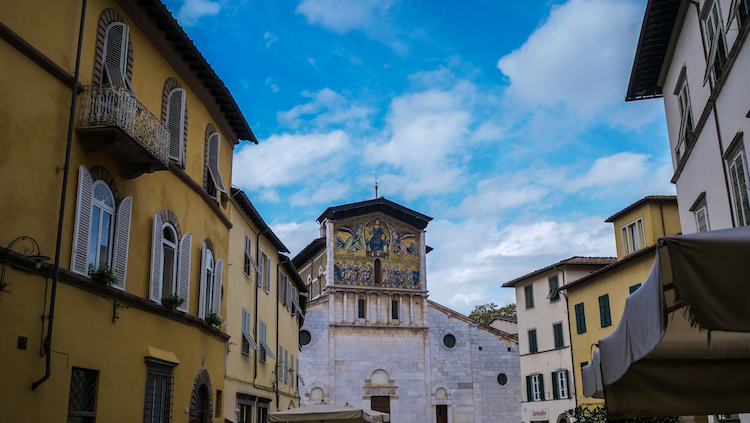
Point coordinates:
[(172, 301), (104, 275), (214, 319)]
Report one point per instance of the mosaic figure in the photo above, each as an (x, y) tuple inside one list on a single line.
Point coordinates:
[(379, 240), (397, 243), (354, 243)]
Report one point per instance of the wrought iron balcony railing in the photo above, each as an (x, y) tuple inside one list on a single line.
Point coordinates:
[(109, 113)]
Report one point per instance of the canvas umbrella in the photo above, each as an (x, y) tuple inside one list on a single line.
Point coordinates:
[(328, 413), (682, 346)]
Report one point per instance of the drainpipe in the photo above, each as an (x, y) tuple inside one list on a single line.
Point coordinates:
[(278, 379), (255, 329), (661, 210), (570, 335), (56, 269)]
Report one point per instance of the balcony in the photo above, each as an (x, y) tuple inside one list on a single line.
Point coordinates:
[(114, 121)]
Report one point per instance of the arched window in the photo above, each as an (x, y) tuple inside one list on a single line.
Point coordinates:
[(211, 276), (208, 282), (378, 276), (102, 226), (112, 41), (174, 116), (170, 260)]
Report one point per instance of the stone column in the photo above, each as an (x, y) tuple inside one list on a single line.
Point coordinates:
[(346, 315), (379, 308)]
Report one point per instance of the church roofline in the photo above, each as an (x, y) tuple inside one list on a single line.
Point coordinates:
[(453, 313), (309, 252), (397, 211)]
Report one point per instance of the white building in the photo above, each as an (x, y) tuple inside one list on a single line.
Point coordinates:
[(372, 339), (691, 54), (544, 338), (507, 324)]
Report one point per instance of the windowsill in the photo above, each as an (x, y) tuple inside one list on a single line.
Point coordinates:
[(541, 352)]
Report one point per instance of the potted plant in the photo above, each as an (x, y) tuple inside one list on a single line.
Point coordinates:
[(172, 301), (104, 275), (214, 319)]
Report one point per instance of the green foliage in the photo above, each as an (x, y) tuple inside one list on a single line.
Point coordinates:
[(486, 312), (104, 274), (175, 299), (214, 319), (598, 414)]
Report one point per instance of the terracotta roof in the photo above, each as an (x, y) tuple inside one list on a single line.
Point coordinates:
[(173, 32), (513, 319), (639, 202), (254, 216), (408, 216), (612, 266), (576, 260), (653, 43)]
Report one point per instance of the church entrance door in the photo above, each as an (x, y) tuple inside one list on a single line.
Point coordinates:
[(382, 404), (442, 413)]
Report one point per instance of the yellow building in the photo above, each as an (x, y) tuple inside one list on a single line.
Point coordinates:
[(596, 301), (265, 309), (122, 185)]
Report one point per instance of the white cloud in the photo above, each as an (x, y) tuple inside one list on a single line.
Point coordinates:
[(285, 159), (623, 174), (272, 86), (295, 236), (193, 10), (321, 192), (580, 57), (311, 61), (326, 108), (342, 16), (270, 38)]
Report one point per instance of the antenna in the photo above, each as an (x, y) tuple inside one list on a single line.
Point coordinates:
[(376, 186)]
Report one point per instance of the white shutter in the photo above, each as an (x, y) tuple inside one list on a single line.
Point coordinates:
[(122, 240), (289, 300), (156, 262), (183, 275), (291, 369), (218, 273), (261, 266), (279, 281), (268, 275), (285, 296), (79, 255), (214, 152), (116, 52), (176, 124), (246, 323), (203, 293)]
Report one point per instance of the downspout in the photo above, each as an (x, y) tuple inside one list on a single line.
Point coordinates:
[(257, 275), (278, 379), (570, 335), (661, 210), (66, 168)]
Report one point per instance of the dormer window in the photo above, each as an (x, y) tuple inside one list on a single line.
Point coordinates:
[(633, 236)]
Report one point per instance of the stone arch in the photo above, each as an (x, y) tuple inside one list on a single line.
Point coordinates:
[(169, 85), (105, 18), (210, 129), (441, 394), (210, 246), (99, 173), (563, 418), (202, 384), (168, 217), (316, 395), (380, 378)]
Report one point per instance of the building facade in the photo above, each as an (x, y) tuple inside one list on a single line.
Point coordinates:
[(371, 337), (544, 338), (120, 330), (596, 301)]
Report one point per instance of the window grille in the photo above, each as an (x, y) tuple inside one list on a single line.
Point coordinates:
[(159, 391), (82, 397)]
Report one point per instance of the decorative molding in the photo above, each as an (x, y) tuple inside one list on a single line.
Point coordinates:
[(105, 18), (100, 173)]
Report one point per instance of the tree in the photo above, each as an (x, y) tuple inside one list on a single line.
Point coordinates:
[(486, 312), (598, 414)]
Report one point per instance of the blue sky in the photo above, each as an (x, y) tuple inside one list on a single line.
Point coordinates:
[(502, 120)]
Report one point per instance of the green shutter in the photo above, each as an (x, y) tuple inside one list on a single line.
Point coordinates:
[(580, 318), (529, 391), (604, 315), (555, 393), (554, 294), (567, 384), (634, 287), (529, 294), (541, 387), (532, 341), (557, 328)]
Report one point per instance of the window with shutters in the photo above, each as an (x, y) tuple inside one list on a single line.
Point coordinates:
[(580, 318), (176, 122), (82, 396), (535, 387), (264, 348), (170, 260), (214, 181), (250, 264), (115, 55), (528, 292), (532, 341), (740, 9), (633, 236), (700, 211), (686, 116), (713, 29), (557, 329), (739, 182), (159, 393), (102, 228), (286, 365), (247, 339), (604, 312), (291, 369), (554, 285), (294, 301), (211, 276), (560, 389), (267, 275)]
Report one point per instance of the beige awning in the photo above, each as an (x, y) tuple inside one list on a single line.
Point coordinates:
[(683, 344), (328, 413)]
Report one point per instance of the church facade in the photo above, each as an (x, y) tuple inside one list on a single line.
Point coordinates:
[(372, 338)]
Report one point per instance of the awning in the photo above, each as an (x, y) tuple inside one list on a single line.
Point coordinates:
[(683, 344), (328, 413)]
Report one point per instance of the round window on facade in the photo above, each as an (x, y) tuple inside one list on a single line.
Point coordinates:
[(304, 337), (449, 340), (502, 379)]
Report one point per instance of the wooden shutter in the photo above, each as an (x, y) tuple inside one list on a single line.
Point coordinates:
[(529, 294), (246, 323), (214, 152), (183, 275), (567, 384), (116, 52), (279, 281), (555, 390), (203, 293), (79, 255), (122, 240), (268, 275), (218, 273), (176, 124), (156, 250), (541, 387), (259, 269), (286, 365), (529, 389)]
